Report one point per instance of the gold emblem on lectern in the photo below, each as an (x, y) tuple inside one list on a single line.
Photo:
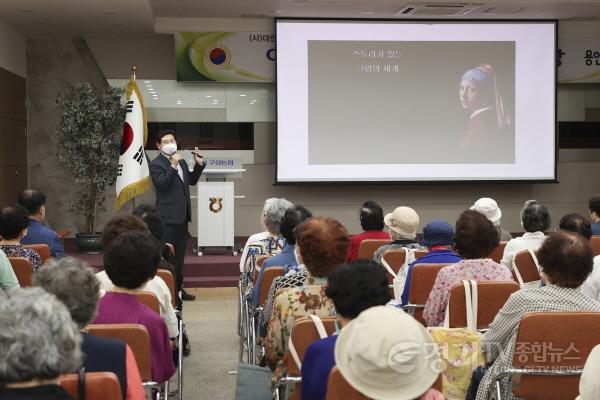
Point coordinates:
[(216, 204)]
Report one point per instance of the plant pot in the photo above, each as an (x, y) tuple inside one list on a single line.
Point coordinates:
[(88, 243)]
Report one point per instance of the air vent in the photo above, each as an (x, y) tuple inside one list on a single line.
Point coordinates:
[(501, 10), (437, 10)]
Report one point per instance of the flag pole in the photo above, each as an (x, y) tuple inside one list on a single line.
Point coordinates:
[(133, 69)]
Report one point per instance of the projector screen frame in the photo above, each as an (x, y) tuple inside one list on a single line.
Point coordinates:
[(420, 182)]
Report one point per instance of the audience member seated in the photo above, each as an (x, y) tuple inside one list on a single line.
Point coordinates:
[(131, 261), (156, 225), (8, 279), (490, 209), (535, 219), (287, 258), (578, 224), (438, 237), (386, 354), (474, 239), (13, 227), (38, 342), (353, 288), (402, 224), (270, 239), (35, 203), (589, 385), (113, 229), (566, 260), (73, 282), (371, 221), (322, 246), (594, 206)]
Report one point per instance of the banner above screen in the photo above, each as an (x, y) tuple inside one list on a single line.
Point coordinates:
[(225, 56), (579, 58), (415, 101)]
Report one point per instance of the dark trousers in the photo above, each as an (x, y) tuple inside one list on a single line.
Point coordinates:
[(177, 235)]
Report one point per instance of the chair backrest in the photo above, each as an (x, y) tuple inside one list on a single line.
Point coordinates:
[(368, 247), (268, 277), (42, 249), (304, 333), (136, 336), (148, 299), (595, 242), (491, 296), (421, 283), (98, 386), (22, 268), (260, 260), (498, 252), (527, 268), (171, 249), (554, 341), (167, 276), (338, 388)]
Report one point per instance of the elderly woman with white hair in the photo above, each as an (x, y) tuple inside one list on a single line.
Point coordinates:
[(269, 241), (38, 342)]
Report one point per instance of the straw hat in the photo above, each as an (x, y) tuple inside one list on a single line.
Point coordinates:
[(384, 353), (489, 208), (404, 221)]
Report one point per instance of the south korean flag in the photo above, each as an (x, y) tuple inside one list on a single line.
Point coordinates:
[(133, 177)]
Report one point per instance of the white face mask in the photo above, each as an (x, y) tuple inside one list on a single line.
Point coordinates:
[(169, 148)]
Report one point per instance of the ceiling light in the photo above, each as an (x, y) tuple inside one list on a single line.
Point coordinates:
[(242, 95), (149, 85), (147, 81), (208, 96), (278, 11), (367, 12)]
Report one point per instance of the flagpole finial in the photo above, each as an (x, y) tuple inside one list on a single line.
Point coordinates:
[(133, 69)]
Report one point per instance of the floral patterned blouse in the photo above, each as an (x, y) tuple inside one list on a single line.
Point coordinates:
[(291, 304), (18, 250), (479, 270)]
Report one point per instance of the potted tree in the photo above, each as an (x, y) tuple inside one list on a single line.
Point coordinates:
[(89, 137)]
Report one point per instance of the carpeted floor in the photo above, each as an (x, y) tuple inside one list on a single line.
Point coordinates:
[(211, 325)]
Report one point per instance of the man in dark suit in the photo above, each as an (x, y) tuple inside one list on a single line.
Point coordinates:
[(171, 178)]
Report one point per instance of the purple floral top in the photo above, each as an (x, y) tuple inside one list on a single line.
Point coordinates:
[(18, 250), (479, 270)]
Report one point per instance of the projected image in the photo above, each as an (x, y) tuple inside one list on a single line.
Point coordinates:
[(480, 96), (403, 102)]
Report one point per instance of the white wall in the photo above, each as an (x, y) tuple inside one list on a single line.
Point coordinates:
[(12, 50)]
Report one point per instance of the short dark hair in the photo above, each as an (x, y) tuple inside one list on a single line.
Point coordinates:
[(371, 216), (153, 218), (132, 259), (475, 236), (13, 219), (293, 217), (356, 286), (118, 225), (576, 223), (32, 200), (535, 217), (594, 204), (162, 133), (566, 258), (323, 245)]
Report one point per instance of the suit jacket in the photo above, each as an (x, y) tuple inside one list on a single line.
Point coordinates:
[(173, 194)]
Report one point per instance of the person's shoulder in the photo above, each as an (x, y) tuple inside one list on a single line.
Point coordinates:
[(91, 342), (322, 345)]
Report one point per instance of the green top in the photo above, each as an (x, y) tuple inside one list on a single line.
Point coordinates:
[(8, 278)]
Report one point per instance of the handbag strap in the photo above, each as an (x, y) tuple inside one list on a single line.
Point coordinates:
[(471, 300), (387, 267), (535, 259), (322, 334), (517, 273), (81, 383)]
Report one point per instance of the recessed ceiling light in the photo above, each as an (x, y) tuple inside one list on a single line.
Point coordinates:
[(242, 95), (147, 81), (278, 11), (149, 85), (208, 96), (367, 12), (155, 98)]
